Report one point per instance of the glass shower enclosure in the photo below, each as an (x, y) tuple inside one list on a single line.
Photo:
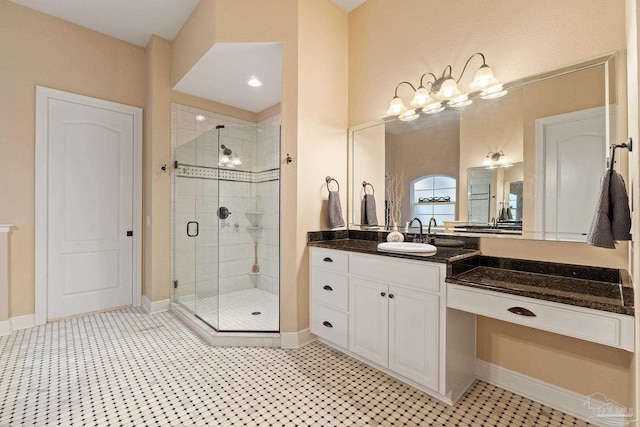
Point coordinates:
[(226, 216)]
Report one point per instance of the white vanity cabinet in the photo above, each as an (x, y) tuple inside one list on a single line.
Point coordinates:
[(394, 317)]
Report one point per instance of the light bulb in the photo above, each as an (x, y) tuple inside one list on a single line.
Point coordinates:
[(254, 82), (224, 160), (484, 78), (421, 97), (396, 106), (448, 90), (236, 161)]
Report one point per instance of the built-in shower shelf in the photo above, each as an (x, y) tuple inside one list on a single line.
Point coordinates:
[(254, 217), (254, 274), (254, 228)]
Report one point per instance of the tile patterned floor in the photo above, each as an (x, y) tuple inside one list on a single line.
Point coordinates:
[(126, 368), (236, 310)]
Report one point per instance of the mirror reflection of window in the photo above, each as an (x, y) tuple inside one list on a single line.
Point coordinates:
[(434, 196)]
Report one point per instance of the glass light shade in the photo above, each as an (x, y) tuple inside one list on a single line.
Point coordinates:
[(503, 159), (236, 161), (421, 97), (224, 160), (460, 101), (487, 160), (408, 115), (433, 108), (493, 92), (448, 90), (396, 106), (200, 117), (484, 78)]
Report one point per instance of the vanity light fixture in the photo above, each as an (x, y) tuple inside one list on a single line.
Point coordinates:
[(496, 160), (254, 82), (430, 95)]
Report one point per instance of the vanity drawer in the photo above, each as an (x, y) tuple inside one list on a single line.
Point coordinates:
[(612, 329), (330, 324), (328, 259), (420, 275), (330, 288)]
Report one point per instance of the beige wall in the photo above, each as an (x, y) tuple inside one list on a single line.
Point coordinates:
[(322, 125), (157, 212), (37, 49), (534, 37), (368, 146)]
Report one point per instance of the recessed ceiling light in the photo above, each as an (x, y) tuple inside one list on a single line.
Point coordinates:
[(200, 118), (253, 81)]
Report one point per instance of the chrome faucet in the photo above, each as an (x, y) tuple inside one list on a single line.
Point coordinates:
[(433, 221), (421, 238)]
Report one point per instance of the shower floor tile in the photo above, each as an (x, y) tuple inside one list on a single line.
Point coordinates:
[(128, 368), (237, 310)]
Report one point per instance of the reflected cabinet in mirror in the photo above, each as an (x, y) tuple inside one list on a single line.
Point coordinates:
[(526, 164)]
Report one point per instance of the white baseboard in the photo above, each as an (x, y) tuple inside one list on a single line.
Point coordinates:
[(156, 306), (296, 339), (17, 323), (22, 322), (5, 328), (567, 401)]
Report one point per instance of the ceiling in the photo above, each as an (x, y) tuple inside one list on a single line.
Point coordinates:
[(349, 5), (221, 75), (130, 20)]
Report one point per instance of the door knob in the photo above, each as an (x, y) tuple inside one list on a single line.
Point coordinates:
[(390, 295), (382, 294)]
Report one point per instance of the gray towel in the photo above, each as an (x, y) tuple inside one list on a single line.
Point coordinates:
[(334, 210), (612, 218), (369, 216)]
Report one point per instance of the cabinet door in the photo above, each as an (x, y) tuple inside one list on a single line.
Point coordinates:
[(369, 320), (413, 335)]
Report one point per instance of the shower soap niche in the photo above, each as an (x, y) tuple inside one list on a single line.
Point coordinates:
[(254, 218)]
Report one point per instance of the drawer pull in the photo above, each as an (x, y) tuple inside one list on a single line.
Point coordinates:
[(522, 311), (327, 288), (390, 295), (327, 324), (382, 294), (327, 259)]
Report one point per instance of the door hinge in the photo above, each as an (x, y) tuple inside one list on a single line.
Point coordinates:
[(175, 284), (129, 233), (175, 164)]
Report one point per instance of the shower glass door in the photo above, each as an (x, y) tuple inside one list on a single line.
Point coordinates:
[(249, 228), (227, 228)]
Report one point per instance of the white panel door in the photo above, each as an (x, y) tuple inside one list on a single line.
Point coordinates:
[(574, 159), (369, 320), (413, 335), (90, 208)]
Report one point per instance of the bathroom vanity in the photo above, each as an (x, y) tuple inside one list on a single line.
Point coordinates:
[(413, 316)]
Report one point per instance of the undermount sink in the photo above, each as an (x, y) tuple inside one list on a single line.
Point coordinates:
[(407, 247)]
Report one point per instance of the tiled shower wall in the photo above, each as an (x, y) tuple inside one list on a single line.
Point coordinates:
[(196, 263)]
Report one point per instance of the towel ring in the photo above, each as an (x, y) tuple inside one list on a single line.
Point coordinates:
[(365, 184), (329, 179)]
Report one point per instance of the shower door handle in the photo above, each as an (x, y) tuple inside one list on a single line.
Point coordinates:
[(197, 228)]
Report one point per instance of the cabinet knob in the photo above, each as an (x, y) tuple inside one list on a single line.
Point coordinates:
[(521, 311), (327, 324), (327, 288), (327, 259), (382, 294), (390, 295)]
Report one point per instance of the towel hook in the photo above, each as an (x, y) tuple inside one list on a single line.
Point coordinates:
[(365, 184), (628, 144), (328, 179)]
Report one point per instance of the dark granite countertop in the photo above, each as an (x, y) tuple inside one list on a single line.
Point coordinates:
[(578, 291), (443, 255)]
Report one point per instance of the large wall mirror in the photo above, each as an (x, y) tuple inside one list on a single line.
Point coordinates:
[(526, 164)]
